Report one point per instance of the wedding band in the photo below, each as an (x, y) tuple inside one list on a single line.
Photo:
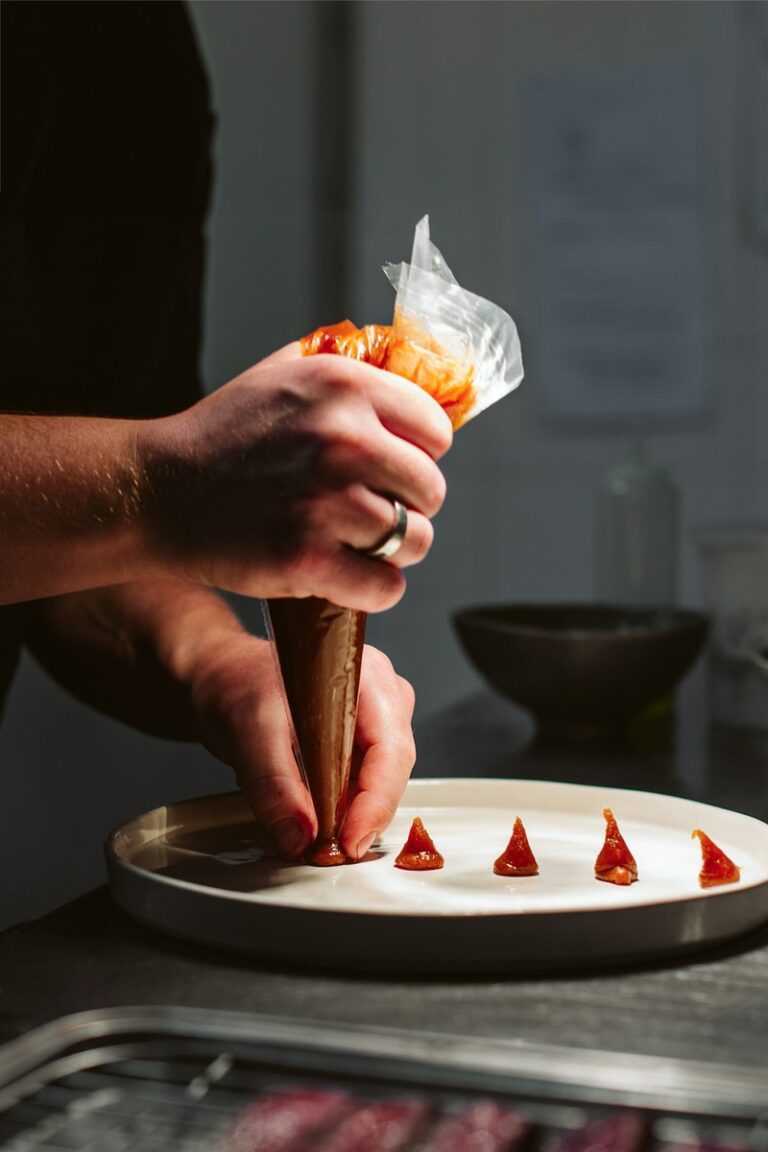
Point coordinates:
[(392, 541)]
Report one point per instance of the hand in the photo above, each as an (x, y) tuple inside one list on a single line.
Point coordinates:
[(269, 485), (173, 659), (242, 720)]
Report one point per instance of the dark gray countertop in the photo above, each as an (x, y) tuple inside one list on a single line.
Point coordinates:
[(88, 955)]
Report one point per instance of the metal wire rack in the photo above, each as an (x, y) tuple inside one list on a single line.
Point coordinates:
[(180, 1082)]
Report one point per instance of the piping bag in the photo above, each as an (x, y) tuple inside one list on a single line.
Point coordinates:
[(465, 352)]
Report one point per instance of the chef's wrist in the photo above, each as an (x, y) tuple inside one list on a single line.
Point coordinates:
[(192, 625), (161, 493)]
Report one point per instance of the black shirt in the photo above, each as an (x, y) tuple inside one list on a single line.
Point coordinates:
[(104, 189)]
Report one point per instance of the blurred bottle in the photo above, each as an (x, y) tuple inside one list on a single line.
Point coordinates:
[(637, 534), (735, 569)]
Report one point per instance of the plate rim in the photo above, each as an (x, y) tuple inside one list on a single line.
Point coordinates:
[(117, 861)]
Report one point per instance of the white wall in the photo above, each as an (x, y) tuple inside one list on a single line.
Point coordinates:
[(442, 129)]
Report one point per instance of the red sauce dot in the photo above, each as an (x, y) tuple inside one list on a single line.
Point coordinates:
[(517, 859), (716, 867), (326, 854), (419, 854), (615, 863)]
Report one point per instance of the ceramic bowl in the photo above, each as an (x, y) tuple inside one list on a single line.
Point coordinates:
[(581, 669)]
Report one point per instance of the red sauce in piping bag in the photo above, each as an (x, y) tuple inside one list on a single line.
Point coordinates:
[(408, 351)]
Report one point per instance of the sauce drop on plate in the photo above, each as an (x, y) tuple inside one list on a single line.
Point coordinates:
[(615, 863), (326, 853), (716, 867), (419, 854), (517, 859)]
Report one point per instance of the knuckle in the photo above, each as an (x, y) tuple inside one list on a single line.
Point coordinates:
[(340, 375), (442, 433), (345, 443), (342, 422), (404, 750), (387, 587), (385, 515), (379, 662), (408, 693), (434, 491), (424, 537), (307, 572), (362, 506), (320, 370)]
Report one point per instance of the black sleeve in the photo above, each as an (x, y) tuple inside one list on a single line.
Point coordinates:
[(105, 184)]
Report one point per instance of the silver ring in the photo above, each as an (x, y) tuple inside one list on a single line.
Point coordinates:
[(393, 540)]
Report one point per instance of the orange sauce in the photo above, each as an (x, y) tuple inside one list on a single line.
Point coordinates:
[(419, 854), (716, 867), (517, 859), (615, 863), (369, 344), (412, 354)]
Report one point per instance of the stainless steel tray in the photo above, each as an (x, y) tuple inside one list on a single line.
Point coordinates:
[(176, 1079)]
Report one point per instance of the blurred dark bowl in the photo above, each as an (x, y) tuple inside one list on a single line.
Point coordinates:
[(581, 669)]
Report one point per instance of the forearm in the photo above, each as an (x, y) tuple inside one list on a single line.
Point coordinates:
[(70, 506), (135, 650)]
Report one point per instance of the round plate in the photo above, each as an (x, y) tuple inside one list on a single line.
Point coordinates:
[(197, 870)]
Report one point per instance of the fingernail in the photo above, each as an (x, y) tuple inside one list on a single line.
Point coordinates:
[(288, 836), (365, 844)]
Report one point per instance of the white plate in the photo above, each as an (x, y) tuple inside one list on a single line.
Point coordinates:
[(196, 870)]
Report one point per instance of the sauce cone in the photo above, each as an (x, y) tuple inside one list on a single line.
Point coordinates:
[(320, 649)]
